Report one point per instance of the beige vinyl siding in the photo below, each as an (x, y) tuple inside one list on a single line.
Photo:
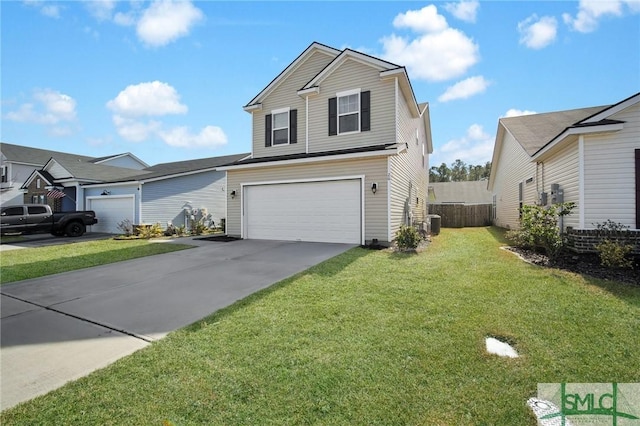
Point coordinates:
[(514, 167), (409, 176), (374, 170), (562, 168), (609, 171), (283, 96), (353, 75)]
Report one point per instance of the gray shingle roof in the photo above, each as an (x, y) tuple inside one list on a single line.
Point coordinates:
[(535, 131), (28, 155)]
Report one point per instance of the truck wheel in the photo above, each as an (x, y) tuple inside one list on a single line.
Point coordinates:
[(75, 229)]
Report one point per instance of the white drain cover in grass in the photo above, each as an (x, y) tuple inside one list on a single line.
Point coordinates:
[(547, 413), (495, 346)]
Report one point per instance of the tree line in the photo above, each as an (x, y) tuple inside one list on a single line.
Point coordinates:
[(459, 172)]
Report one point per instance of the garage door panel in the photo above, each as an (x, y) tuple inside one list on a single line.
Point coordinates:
[(110, 212), (312, 211)]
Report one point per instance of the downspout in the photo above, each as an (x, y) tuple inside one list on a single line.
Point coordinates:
[(389, 185), (581, 182), (306, 125), (139, 203)]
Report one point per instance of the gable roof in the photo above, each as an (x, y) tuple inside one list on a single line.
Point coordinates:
[(387, 70), (538, 134), (99, 160), (313, 47), (35, 156), (534, 131)]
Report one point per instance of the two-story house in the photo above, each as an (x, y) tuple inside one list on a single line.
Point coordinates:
[(339, 153)]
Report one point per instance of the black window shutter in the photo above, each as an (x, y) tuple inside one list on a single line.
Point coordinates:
[(267, 130), (293, 126), (365, 111), (333, 116)]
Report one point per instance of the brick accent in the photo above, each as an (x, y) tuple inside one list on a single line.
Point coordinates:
[(584, 240)]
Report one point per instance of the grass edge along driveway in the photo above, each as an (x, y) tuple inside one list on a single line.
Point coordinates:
[(372, 337), (37, 262)]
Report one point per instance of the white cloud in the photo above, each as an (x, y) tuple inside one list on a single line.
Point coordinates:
[(52, 107), (49, 108), (166, 20), (465, 89), (157, 99), (425, 20), (153, 98), (209, 137), (135, 130), (464, 10), (591, 11), (101, 9), (475, 147), (438, 53), (537, 33), (47, 9), (517, 112)]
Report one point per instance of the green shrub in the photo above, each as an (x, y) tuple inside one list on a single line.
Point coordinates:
[(613, 254), (539, 227), (407, 237), (149, 231)]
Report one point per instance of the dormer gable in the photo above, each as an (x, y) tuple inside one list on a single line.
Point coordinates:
[(256, 102), (126, 160)]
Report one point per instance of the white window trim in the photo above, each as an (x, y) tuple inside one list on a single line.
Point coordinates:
[(273, 126), (341, 95)]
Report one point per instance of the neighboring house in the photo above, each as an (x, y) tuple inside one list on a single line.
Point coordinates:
[(467, 192), (589, 156), (166, 193), (19, 162), (339, 154), (119, 187)]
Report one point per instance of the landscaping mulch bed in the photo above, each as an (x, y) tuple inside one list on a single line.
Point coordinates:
[(587, 264)]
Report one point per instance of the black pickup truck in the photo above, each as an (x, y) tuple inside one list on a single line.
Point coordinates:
[(31, 218)]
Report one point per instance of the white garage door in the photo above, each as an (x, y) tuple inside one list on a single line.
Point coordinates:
[(111, 210), (328, 211)]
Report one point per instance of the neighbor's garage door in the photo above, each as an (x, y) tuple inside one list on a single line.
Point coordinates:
[(111, 210), (328, 211)]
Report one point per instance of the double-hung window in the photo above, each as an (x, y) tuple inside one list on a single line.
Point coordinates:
[(348, 112), (280, 126)]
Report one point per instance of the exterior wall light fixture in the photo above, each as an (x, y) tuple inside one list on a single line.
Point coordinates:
[(374, 187), (233, 194)]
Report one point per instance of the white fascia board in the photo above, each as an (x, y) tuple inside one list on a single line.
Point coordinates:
[(605, 128), (339, 60), (253, 107), (193, 172), (405, 87), (310, 91), (614, 109), (380, 153)]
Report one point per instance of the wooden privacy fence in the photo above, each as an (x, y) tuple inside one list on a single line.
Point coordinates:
[(462, 215)]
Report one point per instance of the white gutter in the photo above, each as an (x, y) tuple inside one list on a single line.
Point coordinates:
[(581, 181), (381, 153)]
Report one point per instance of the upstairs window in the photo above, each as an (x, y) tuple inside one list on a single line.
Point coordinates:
[(5, 178), (281, 127), (350, 112)]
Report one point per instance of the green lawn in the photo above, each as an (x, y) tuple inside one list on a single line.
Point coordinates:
[(37, 262), (372, 337)]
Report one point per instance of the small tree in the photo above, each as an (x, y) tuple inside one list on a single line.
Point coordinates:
[(539, 227)]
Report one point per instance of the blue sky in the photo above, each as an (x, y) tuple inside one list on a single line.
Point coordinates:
[(167, 81)]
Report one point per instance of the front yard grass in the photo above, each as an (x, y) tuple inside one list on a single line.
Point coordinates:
[(16, 265), (372, 337)]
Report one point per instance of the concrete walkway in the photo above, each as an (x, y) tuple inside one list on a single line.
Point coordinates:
[(62, 327)]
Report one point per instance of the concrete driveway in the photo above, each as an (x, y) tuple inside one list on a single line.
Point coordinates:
[(62, 327)]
